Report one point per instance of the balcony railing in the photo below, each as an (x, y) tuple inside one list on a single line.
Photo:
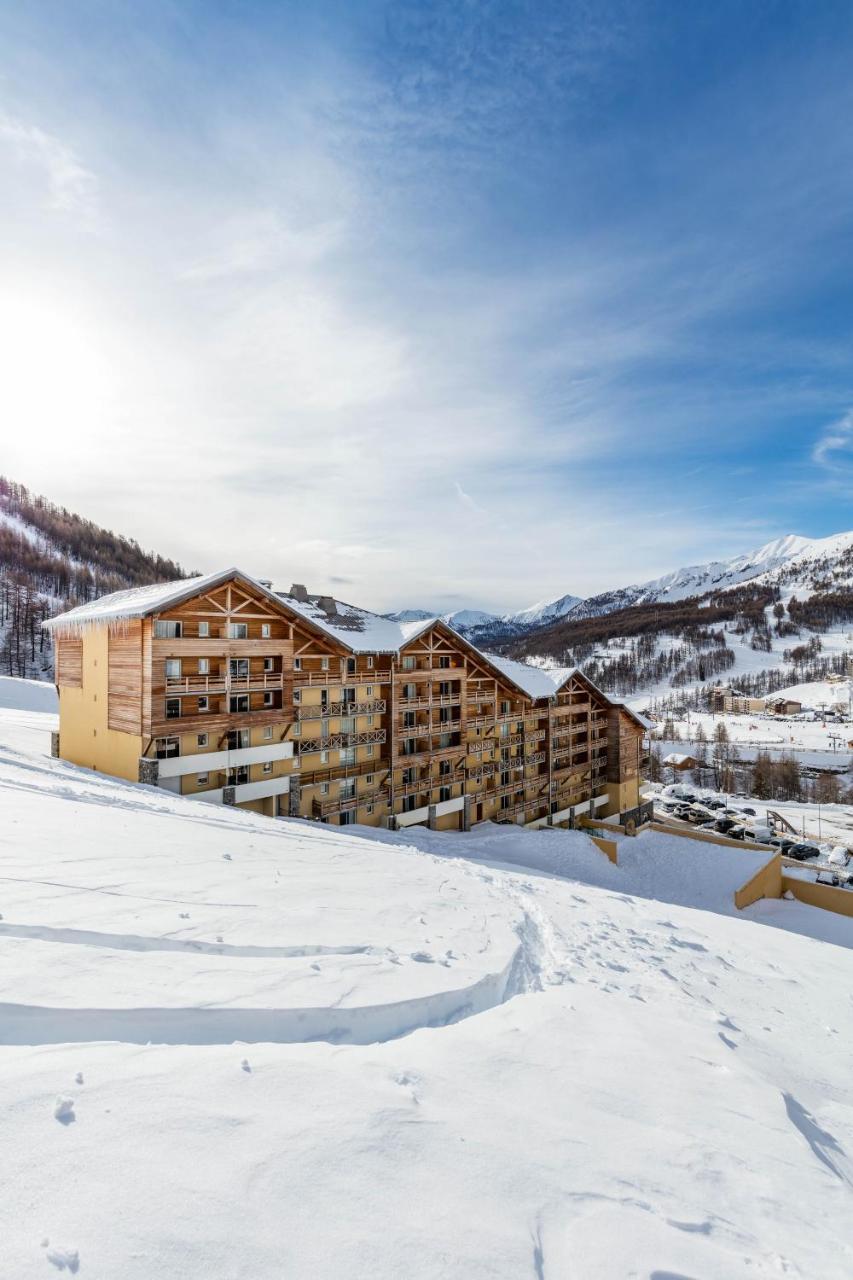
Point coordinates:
[(324, 808), (319, 711), (333, 741), (210, 683)]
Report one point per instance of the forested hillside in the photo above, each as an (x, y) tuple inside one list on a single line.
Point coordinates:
[(50, 559)]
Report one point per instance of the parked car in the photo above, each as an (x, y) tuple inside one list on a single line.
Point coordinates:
[(761, 835), (827, 877), (724, 825), (802, 850), (746, 809), (715, 804), (782, 843), (737, 832)]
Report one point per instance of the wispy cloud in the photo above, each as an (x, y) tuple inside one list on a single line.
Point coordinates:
[(467, 500), (834, 448), (70, 186)]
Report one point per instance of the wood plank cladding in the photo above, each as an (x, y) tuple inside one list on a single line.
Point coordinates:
[(125, 679), (69, 662)]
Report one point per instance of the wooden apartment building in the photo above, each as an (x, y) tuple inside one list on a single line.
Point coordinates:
[(221, 689)]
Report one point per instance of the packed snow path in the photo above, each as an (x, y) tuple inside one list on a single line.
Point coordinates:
[(573, 1069)]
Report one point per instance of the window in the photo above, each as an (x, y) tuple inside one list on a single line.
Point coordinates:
[(204, 666), (369, 749), (370, 691), (173, 708), (268, 699), (504, 708), (504, 730), (265, 631), (203, 630), (267, 766), (238, 702), (408, 719), (369, 780), (203, 703), (296, 730), (268, 664), (238, 739), (445, 740), (408, 663), (443, 794), (297, 664), (164, 630), (268, 733), (370, 722), (408, 777), (167, 748), (201, 780), (324, 788), (409, 803), (348, 755), (444, 768), (410, 746), (238, 630), (297, 695), (324, 757), (201, 740), (173, 668), (324, 664), (350, 666), (238, 777), (370, 808), (505, 801), (444, 660), (239, 667), (410, 690)]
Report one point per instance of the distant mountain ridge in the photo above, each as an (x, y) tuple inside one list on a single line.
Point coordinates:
[(792, 562)]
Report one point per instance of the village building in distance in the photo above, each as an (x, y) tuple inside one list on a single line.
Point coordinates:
[(221, 689)]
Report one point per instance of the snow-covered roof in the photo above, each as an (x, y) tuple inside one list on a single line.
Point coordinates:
[(358, 629), (676, 757), (536, 682), (139, 602)]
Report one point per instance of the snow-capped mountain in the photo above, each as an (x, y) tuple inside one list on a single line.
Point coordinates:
[(463, 620), (797, 565), (538, 615)]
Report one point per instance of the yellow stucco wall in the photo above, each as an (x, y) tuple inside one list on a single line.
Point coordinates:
[(84, 735), (622, 796)]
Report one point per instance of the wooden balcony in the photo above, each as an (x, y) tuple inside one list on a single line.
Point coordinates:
[(327, 808), (317, 711), (334, 741), (423, 701), (313, 777)]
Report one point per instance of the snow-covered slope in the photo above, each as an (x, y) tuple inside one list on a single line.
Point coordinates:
[(242, 1048)]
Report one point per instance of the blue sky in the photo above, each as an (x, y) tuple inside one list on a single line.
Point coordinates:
[(431, 303)]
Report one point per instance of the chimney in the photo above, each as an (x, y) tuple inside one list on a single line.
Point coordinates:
[(327, 604), (299, 592)]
